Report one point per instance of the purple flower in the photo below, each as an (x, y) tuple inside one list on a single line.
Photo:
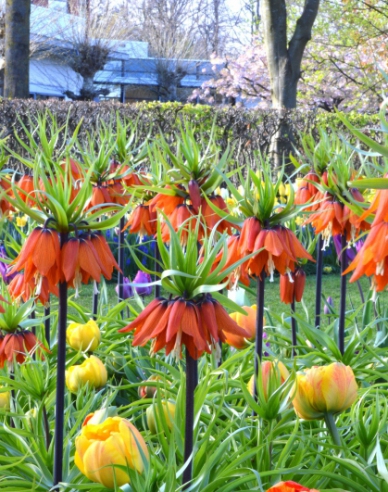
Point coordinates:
[(350, 252), (4, 266), (328, 306), (142, 278), (127, 289)]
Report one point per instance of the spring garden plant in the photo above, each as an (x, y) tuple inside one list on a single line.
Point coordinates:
[(173, 393)]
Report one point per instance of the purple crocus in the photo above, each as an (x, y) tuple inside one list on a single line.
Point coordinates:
[(143, 278), (328, 309), (127, 289), (350, 252), (4, 266)]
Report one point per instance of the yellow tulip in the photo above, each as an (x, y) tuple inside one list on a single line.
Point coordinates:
[(152, 414), (115, 441), (83, 337), (21, 221), (5, 400), (282, 189), (91, 371), (247, 322), (324, 390), (273, 375)]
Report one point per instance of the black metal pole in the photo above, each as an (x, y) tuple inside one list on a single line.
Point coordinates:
[(47, 323), (120, 275), (259, 329), (95, 304), (341, 327), (191, 384), (318, 291), (293, 327), (61, 364), (157, 268)]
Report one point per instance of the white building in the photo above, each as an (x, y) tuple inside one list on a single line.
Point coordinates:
[(130, 74)]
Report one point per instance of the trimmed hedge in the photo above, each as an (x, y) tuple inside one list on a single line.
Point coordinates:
[(247, 130)]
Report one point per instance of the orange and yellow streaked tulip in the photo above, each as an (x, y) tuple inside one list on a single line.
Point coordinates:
[(101, 446), (91, 371), (290, 486), (245, 321), (323, 390), (83, 336), (273, 375)]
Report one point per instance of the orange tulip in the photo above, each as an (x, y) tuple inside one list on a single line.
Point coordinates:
[(290, 486), (199, 325), (247, 322), (142, 221)]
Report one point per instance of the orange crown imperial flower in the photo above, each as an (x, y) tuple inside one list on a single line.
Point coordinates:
[(292, 286), (197, 324), (40, 257), (17, 345), (142, 221), (328, 220)]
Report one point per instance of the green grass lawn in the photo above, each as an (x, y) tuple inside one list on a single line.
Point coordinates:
[(330, 287)]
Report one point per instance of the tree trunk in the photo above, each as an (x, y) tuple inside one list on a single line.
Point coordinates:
[(17, 49), (284, 64)]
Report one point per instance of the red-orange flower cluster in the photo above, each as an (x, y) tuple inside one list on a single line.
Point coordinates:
[(280, 248), (292, 286), (372, 259), (290, 486), (142, 221), (197, 324), (46, 264), (17, 345)]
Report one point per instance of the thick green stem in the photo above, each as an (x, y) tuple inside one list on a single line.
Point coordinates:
[(332, 428)]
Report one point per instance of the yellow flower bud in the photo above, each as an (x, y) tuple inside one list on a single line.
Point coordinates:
[(83, 337), (323, 390), (282, 189), (273, 375), (91, 371), (21, 221), (115, 441), (5, 400), (153, 415)]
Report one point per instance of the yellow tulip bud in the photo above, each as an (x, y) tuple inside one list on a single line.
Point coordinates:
[(21, 221), (287, 189), (83, 337), (323, 390), (282, 189), (153, 415), (91, 371), (273, 375), (115, 441), (149, 391), (5, 400)]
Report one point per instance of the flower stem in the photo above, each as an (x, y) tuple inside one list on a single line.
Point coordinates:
[(332, 428), (318, 290), (293, 328), (120, 274), (191, 384), (157, 269), (259, 329), (95, 305), (46, 426), (61, 364), (341, 327), (47, 324)]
